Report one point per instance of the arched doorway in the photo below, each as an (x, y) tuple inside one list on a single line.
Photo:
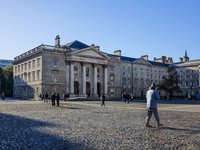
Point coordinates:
[(76, 87), (88, 89), (99, 89)]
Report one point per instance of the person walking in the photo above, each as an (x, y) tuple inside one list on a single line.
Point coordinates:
[(57, 98), (102, 98), (152, 96), (53, 98)]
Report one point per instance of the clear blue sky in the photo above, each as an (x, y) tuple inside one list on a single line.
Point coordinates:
[(136, 27)]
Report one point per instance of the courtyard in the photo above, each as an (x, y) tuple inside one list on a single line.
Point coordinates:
[(30, 124)]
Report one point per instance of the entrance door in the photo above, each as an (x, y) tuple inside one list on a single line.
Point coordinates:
[(99, 89), (88, 89), (76, 87)]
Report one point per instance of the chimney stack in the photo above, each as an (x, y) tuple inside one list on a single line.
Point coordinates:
[(57, 41)]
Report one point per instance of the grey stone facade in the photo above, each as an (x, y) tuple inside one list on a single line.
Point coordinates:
[(85, 71)]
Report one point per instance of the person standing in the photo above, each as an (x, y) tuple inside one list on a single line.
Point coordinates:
[(53, 98), (57, 98), (45, 97), (3, 96), (102, 98), (152, 97)]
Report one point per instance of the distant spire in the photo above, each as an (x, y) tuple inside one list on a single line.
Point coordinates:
[(185, 53)]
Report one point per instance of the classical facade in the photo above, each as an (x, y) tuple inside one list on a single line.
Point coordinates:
[(85, 71)]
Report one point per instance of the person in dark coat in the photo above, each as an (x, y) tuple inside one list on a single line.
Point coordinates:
[(53, 98), (45, 97), (58, 98), (102, 98)]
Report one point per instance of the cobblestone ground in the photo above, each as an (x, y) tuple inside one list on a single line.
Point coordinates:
[(86, 125)]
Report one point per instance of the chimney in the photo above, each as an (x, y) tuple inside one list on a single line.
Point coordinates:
[(163, 59), (57, 41), (97, 47), (145, 57), (180, 59), (117, 52)]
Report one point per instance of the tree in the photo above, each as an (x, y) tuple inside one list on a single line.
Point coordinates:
[(170, 83), (7, 80)]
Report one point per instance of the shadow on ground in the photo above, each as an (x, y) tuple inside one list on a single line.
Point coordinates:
[(23, 133)]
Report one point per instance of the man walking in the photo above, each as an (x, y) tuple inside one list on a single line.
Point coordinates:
[(152, 96)]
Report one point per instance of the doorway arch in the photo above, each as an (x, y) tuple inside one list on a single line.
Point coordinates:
[(76, 87), (99, 89), (88, 89)]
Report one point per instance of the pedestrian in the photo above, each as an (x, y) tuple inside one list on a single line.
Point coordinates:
[(122, 97), (53, 98), (67, 96), (131, 97), (152, 97), (102, 98), (3, 96), (57, 98), (37, 96), (45, 97)]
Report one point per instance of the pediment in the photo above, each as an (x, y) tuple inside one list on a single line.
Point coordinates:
[(142, 61), (90, 53)]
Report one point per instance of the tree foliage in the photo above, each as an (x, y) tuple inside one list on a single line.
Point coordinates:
[(170, 83), (6, 75)]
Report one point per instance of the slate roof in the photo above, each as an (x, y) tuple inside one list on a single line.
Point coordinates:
[(130, 59), (76, 44)]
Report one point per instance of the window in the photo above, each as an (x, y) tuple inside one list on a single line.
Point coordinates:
[(33, 75), (38, 75), (25, 66), (75, 71), (18, 68), (87, 71), (29, 76), (21, 67), (29, 65), (33, 64), (124, 73), (25, 77), (111, 69), (38, 62), (112, 78), (55, 63), (98, 72), (124, 81), (15, 69)]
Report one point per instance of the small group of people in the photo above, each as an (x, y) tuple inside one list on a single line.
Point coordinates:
[(44, 97), (3, 96), (55, 97), (126, 97), (66, 96)]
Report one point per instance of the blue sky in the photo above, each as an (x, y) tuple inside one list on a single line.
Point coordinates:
[(137, 27)]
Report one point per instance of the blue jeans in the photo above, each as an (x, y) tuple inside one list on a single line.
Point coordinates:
[(155, 112)]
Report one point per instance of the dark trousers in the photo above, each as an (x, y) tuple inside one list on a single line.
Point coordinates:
[(57, 102), (53, 102), (103, 103)]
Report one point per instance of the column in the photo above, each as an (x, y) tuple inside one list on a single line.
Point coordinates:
[(105, 79), (95, 81), (72, 79), (67, 77), (84, 79)]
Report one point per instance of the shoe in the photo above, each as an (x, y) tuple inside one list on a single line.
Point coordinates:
[(148, 125), (159, 124)]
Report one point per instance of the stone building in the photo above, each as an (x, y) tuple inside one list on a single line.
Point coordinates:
[(85, 71)]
